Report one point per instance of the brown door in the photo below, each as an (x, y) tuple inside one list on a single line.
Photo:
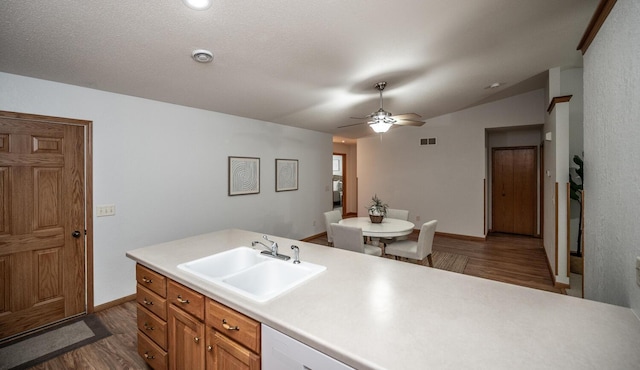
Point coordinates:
[(514, 190), (42, 223)]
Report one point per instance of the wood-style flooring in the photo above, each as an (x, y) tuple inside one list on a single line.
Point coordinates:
[(118, 351), (507, 258)]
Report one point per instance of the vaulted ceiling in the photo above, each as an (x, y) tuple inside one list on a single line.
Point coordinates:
[(310, 64)]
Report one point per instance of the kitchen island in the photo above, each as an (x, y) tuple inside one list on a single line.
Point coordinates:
[(377, 313)]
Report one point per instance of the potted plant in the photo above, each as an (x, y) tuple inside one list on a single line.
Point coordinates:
[(576, 194), (377, 209)]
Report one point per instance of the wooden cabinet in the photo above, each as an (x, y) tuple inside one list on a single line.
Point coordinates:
[(186, 327), (152, 315), (179, 328), (186, 340), (233, 339)]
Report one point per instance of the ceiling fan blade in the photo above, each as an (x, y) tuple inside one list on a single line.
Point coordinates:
[(407, 122), (353, 124), (365, 117), (407, 116)]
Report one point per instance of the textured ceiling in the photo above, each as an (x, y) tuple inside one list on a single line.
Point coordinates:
[(309, 64)]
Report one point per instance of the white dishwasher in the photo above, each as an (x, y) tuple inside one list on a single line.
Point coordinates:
[(281, 352)]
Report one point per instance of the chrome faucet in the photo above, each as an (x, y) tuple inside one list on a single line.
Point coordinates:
[(272, 250), (296, 254)]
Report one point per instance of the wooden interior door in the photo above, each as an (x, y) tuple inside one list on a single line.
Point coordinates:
[(513, 193), (42, 223)]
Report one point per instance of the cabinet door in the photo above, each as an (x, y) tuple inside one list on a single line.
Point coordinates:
[(186, 341), (225, 354)]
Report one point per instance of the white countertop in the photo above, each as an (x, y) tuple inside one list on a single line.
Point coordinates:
[(377, 313)]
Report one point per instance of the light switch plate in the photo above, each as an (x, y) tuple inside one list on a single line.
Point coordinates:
[(105, 210)]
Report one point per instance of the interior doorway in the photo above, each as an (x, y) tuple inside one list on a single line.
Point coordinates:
[(45, 212), (339, 182)]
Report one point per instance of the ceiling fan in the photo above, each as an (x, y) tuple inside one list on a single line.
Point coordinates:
[(381, 120)]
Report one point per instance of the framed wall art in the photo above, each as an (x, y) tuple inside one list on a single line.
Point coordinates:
[(286, 174), (244, 175)]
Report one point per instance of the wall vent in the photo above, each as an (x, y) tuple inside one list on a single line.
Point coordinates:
[(428, 141)]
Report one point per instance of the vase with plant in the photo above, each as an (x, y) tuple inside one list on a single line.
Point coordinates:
[(377, 209)]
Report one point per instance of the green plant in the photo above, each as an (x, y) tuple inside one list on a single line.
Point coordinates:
[(377, 207), (576, 194)]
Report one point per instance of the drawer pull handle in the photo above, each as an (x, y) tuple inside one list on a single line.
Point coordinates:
[(148, 303), (148, 356), (209, 348), (183, 301), (196, 339), (148, 281), (148, 327), (229, 327)]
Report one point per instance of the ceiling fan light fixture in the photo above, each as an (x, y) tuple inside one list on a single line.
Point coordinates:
[(380, 126)]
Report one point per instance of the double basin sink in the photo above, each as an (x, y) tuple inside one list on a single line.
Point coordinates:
[(251, 274)]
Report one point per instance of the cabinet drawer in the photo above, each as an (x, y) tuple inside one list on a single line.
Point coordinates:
[(152, 301), (222, 351), (153, 327), (151, 280), (188, 300), (234, 325), (151, 353)]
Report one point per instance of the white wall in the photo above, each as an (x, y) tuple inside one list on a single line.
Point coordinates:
[(612, 157), (164, 166), (443, 181)]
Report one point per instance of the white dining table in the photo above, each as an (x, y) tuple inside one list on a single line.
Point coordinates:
[(388, 228)]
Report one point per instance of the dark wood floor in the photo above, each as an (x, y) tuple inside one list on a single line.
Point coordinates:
[(507, 258), (513, 259), (118, 351)]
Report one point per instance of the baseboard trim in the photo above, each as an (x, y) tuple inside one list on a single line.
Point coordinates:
[(309, 238), (119, 301), (556, 284), (459, 236)]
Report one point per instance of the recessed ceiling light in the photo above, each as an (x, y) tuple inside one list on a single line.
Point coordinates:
[(494, 85), (197, 4), (202, 56)]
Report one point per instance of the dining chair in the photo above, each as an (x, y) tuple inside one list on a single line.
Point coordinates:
[(400, 214), (416, 250), (350, 238), (330, 218)]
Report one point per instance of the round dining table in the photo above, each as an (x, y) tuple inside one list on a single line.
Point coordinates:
[(388, 228)]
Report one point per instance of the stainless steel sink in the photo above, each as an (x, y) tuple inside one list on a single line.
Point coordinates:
[(245, 271)]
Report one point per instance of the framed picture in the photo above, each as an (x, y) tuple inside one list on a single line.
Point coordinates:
[(286, 174), (244, 175)]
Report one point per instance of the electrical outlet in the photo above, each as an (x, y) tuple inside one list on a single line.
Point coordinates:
[(314, 222), (106, 210), (417, 218)]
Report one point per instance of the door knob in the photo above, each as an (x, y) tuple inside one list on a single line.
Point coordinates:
[(76, 234)]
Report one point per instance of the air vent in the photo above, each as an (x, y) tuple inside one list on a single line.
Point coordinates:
[(428, 141)]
